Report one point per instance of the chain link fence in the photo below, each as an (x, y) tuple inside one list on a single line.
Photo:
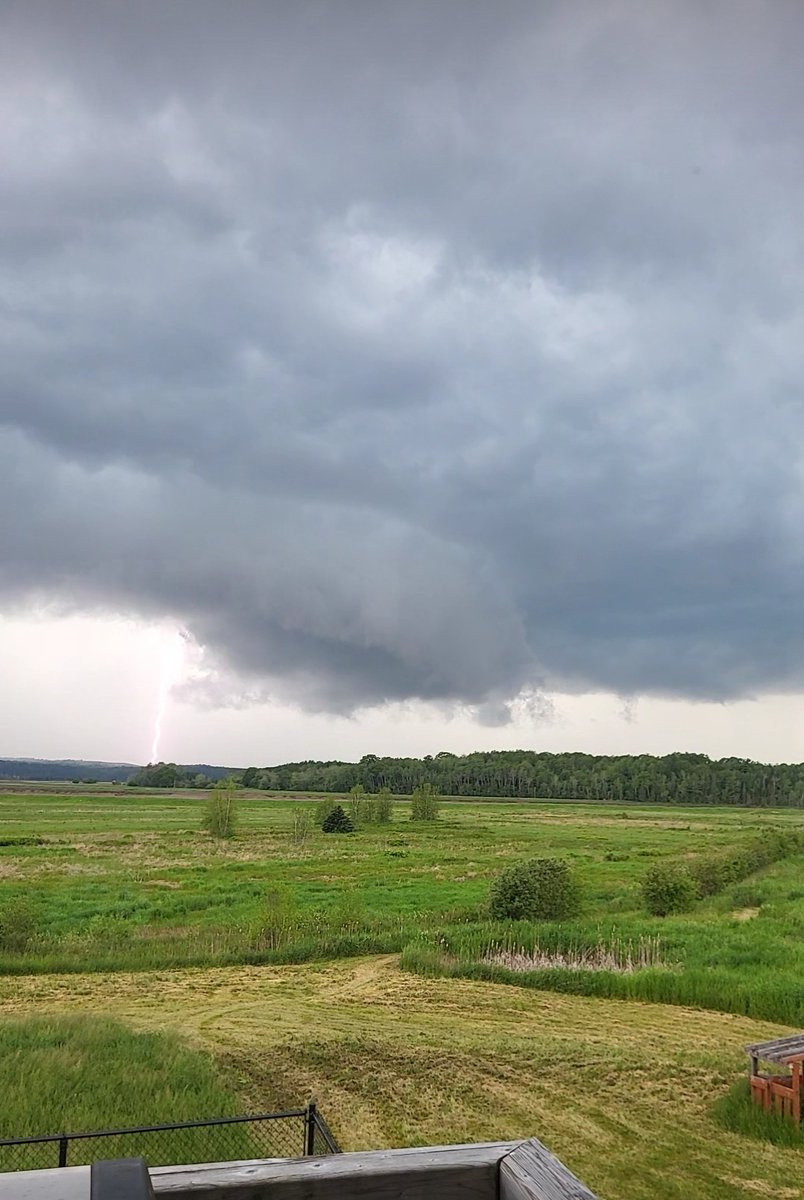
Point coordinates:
[(292, 1134)]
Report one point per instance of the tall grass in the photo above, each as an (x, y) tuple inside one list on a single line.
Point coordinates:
[(763, 997), (737, 1112), (279, 934), (74, 1074)]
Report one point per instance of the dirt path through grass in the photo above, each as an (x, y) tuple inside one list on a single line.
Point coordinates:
[(620, 1090)]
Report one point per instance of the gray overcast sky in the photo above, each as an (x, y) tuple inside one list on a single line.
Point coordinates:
[(437, 367)]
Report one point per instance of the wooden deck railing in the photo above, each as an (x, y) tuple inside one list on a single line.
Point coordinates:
[(522, 1170), (781, 1092)]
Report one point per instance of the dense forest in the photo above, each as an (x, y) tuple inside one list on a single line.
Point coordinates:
[(672, 779)]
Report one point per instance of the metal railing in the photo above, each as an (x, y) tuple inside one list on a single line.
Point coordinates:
[(297, 1133)]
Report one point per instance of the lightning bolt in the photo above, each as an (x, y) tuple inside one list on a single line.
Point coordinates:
[(173, 662)]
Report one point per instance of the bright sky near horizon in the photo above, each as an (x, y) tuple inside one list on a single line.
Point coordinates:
[(397, 378), (53, 670)]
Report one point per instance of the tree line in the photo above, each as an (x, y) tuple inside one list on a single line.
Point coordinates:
[(522, 774), (173, 775)]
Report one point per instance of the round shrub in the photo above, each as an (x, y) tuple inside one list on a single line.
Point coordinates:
[(668, 888), (540, 889)]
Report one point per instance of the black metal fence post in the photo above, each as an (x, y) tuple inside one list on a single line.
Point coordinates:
[(63, 1141), (325, 1137), (309, 1128)]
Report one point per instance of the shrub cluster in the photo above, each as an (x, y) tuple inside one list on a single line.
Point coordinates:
[(539, 889), (220, 817), (367, 809), (364, 808), (668, 888), (424, 804), (674, 887)]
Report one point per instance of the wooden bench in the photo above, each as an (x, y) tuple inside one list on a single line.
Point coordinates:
[(784, 1093)]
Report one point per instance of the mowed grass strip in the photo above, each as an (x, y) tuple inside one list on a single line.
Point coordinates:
[(622, 1091)]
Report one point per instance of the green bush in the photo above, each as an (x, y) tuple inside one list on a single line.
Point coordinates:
[(302, 824), (358, 806), (424, 804), (337, 822), (540, 889), (383, 806), (668, 888), (277, 919), (220, 817), (710, 874), (674, 887)]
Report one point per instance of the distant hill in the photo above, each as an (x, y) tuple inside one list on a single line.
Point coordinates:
[(86, 771)]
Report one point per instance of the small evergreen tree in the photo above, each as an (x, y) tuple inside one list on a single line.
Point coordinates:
[(322, 811), (337, 822)]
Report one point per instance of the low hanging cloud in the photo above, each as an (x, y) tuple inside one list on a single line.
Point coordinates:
[(428, 351)]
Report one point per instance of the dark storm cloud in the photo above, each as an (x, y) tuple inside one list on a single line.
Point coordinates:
[(426, 350)]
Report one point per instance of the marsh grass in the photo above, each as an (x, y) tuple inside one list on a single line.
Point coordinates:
[(617, 955)]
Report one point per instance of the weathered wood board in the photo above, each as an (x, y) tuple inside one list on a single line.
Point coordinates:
[(780, 1049), (531, 1172), (436, 1173)]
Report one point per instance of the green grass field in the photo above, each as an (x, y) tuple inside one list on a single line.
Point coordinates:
[(111, 885), (134, 882), (145, 860)]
